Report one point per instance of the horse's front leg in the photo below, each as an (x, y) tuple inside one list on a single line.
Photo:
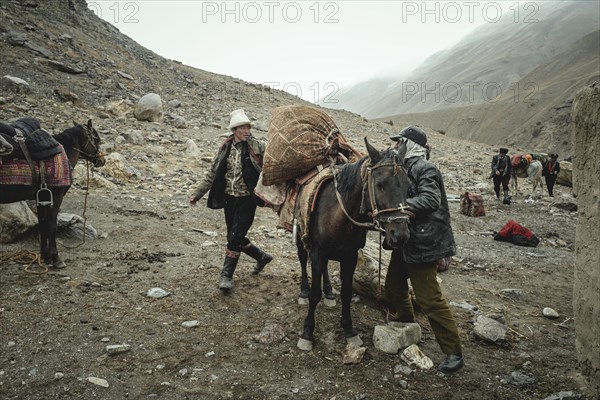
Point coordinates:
[(347, 267), (318, 263), (304, 286)]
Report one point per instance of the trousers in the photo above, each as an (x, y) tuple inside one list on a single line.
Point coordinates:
[(428, 295), (501, 179), (239, 216)]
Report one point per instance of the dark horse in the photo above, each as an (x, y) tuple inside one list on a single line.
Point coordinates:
[(367, 194), (78, 141)]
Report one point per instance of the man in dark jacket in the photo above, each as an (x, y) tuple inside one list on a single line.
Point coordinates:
[(431, 239), (231, 181), (550, 172), (501, 171)]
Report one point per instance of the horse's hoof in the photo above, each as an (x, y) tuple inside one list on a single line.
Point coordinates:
[(303, 301), (355, 340), (305, 345), (59, 264), (329, 302)]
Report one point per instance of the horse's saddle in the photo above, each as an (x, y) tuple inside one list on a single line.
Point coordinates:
[(39, 144)]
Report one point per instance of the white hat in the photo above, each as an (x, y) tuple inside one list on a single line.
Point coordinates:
[(238, 118)]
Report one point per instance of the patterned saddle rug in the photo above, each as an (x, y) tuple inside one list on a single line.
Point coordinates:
[(18, 172), (300, 201)]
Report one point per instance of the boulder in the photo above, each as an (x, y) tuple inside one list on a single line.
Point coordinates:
[(149, 108), (15, 220), (565, 176), (14, 84)]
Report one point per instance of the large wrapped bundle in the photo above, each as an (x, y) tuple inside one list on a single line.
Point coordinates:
[(299, 137)]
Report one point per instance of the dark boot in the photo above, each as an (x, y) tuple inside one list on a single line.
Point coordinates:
[(227, 273), (262, 258), (506, 198), (452, 363)]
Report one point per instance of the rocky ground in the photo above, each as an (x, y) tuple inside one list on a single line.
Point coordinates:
[(57, 327), (57, 330)]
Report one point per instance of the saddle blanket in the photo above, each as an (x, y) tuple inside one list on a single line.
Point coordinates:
[(17, 172), (300, 202)]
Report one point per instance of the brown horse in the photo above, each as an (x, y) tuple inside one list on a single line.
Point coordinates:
[(366, 194), (79, 141)]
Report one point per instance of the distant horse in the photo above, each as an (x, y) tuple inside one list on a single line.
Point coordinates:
[(531, 170), (78, 141), (367, 194)]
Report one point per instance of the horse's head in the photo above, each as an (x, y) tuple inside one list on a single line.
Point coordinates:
[(388, 185), (89, 144)]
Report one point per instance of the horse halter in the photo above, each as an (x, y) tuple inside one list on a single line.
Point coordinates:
[(401, 213), (97, 158)]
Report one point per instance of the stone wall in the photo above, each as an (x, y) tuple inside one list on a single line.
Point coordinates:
[(586, 289)]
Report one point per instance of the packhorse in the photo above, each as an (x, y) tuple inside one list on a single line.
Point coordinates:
[(79, 141), (367, 194), (524, 168)]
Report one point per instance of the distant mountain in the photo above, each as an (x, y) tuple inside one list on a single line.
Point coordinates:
[(537, 116), (485, 64)]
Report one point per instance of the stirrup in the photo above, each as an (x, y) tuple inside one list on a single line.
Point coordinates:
[(46, 193)]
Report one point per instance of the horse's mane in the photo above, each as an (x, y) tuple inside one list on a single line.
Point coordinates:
[(67, 137), (349, 176)]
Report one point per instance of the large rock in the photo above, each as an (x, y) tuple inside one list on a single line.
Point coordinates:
[(14, 84), (565, 176), (586, 289), (149, 108), (15, 220), (395, 336)]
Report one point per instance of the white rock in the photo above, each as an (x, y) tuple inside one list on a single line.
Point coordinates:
[(190, 324), (413, 356), (117, 348), (97, 381), (157, 293), (550, 313)]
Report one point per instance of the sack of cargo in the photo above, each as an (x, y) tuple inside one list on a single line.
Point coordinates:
[(299, 139), (471, 204)]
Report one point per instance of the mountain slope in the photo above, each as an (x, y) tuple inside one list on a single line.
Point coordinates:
[(537, 115), (494, 57)]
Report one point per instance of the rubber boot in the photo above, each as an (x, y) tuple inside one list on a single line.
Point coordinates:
[(227, 271), (506, 198), (262, 258)]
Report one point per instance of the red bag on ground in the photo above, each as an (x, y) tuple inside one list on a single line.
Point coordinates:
[(517, 234)]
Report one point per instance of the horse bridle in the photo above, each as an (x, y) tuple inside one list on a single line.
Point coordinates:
[(403, 214), (377, 216), (98, 155)]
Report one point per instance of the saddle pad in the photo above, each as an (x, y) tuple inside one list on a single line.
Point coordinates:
[(18, 172), (304, 196)]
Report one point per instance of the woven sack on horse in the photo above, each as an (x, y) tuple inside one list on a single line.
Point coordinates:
[(299, 140), (57, 171), (471, 204)]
